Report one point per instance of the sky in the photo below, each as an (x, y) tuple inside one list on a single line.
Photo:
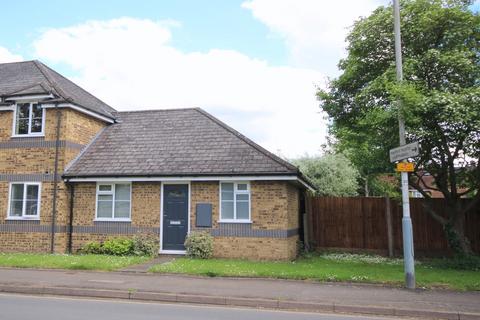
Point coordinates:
[(255, 64)]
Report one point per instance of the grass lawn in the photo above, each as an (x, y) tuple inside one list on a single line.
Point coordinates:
[(64, 261), (334, 267)]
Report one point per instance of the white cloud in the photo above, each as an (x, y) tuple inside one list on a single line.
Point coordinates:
[(314, 30), (130, 64), (7, 56)]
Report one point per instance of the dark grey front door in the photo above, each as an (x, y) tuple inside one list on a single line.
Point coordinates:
[(175, 216)]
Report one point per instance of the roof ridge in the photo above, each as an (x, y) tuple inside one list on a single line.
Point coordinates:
[(40, 65), (51, 81), (242, 137), (157, 110), (12, 62)]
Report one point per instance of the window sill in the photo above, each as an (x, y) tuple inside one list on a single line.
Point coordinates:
[(235, 221), (112, 220), (40, 135), (23, 218)]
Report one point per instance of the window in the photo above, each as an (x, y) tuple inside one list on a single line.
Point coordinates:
[(24, 201), (234, 202), (29, 119), (113, 201), (417, 194)]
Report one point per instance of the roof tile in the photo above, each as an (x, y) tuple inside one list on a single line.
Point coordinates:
[(174, 142)]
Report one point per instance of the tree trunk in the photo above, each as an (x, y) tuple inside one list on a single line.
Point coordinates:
[(366, 187), (454, 227), (455, 233)]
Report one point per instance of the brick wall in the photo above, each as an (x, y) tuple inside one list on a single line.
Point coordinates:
[(145, 214), (274, 210), (27, 158), (270, 213)]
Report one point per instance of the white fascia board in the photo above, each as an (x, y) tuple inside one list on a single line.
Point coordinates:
[(30, 98), (193, 178), (7, 108), (79, 109), (183, 178)]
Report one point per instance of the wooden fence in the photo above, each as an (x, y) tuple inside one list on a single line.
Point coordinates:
[(361, 223)]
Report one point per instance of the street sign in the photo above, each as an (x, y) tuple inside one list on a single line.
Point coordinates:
[(405, 167), (406, 151)]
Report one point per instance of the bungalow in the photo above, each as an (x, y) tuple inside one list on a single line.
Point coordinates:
[(73, 170)]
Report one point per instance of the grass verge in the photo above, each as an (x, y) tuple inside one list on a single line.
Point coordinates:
[(332, 267), (64, 261)]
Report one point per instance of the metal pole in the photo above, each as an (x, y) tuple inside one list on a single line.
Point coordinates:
[(407, 229)]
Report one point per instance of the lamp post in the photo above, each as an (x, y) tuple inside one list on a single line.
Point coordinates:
[(407, 229)]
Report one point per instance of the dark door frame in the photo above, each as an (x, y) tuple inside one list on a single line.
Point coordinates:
[(162, 193)]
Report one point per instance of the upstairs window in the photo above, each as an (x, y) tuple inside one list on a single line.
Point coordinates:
[(29, 119), (234, 202)]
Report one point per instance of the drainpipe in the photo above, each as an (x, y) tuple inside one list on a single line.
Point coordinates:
[(55, 180), (70, 220)]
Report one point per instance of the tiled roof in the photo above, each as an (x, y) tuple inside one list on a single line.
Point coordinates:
[(171, 143), (33, 77)]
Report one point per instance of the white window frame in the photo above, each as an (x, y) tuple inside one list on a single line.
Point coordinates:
[(235, 192), (29, 134), (112, 193), (24, 207)]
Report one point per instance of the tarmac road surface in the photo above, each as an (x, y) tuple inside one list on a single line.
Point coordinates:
[(24, 307)]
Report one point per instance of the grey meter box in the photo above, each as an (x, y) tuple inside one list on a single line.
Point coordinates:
[(204, 215)]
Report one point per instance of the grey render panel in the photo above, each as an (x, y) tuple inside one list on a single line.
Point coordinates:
[(245, 230), (28, 177), (17, 143)]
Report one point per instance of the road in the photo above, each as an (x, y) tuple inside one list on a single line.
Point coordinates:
[(22, 307)]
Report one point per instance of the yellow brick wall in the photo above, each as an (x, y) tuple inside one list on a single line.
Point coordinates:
[(75, 128), (274, 206), (6, 118), (145, 210), (269, 204), (205, 192), (293, 206), (145, 204), (256, 248), (78, 128)]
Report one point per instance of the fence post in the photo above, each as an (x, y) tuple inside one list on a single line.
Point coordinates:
[(388, 219)]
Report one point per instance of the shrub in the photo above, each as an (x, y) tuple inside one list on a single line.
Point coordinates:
[(145, 245), (118, 247), (199, 244), (92, 247), (139, 245)]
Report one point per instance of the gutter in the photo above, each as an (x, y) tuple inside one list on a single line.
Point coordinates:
[(185, 177), (55, 180)]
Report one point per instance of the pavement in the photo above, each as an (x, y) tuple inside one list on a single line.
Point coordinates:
[(144, 267), (260, 293)]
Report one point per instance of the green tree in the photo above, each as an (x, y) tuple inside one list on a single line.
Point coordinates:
[(440, 99), (332, 174)]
